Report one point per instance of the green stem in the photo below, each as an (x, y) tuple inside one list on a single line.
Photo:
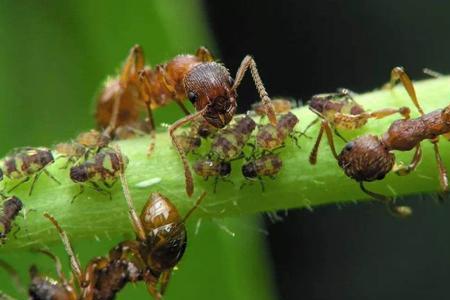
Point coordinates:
[(298, 185)]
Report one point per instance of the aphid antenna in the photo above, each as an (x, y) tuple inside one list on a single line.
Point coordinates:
[(12, 272), (74, 262)]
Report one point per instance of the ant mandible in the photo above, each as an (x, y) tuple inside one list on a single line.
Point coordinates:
[(370, 158)]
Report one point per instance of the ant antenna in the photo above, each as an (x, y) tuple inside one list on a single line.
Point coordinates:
[(196, 205)]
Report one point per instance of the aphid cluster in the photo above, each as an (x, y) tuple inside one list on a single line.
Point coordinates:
[(217, 138)]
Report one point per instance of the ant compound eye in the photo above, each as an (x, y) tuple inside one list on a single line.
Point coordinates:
[(192, 97), (349, 146), (230, 80)]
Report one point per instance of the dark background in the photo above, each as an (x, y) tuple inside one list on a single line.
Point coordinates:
[(307, 47)]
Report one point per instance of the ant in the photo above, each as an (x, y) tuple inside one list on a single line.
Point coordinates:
[(27, 162), (341, 111), (161, 236), (11, 208), (370, 158), (266, 165), (207, 167), (102, 168)]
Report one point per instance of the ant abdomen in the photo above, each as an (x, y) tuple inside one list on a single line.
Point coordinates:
[(366, 159)]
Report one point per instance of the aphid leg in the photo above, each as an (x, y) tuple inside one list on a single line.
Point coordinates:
[(77, 194), (216, 180), (339, 135), (394, 210), (165, 277), (51, 176), (99, 189), (382, 113), (398, 73), (135, 221), (443, 177), (204, 54), (193, 208), (74, 262), (315, 149), (35, 178), (19, 184), (16, 231), (313, 122), (329, 134), (249, 62), (403, 170), (187, 171), (261, 183)]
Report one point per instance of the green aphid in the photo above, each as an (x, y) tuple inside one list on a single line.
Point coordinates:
[(24, 163), (102, 169), (229, 143)]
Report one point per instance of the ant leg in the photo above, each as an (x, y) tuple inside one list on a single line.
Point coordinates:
[(405, 170), (329, 134), (315, 149), (187, 170), (151, 284), (443, 177), (382, 113), (196, 205), (135, 221), (165, 277), (19, 184), (204, 55), (74, 262), (51, 176), (398, 73), (396, 211), (35, 178), (249, 62)]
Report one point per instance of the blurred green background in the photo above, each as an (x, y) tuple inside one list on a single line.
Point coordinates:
[(53, 58)]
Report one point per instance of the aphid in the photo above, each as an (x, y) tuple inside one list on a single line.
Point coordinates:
[(101, 169), (341, 111), (212, 91), (204, 129), (161, 234), (270, 137), (11, 208), (207, 167), (229, 143), (280, 106), (102, 279), (93, 140), (266, 165), (24, 163), (370, 158)]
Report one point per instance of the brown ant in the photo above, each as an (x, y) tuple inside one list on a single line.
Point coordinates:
[(103, 168), (266, 165), (341, 111), (207, 167), (370, 158), (27, 162), (11, 208), (161, 236)]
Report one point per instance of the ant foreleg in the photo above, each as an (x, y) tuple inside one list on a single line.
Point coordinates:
[(187, 171), (402, 170), (249, 62)]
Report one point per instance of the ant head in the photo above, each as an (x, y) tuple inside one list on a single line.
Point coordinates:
[(249, 171), (225, 168), (366, 159), (209, 85), (166, 236), (79, 173)]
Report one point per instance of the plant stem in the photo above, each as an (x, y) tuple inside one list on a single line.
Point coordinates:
[(299, 185)]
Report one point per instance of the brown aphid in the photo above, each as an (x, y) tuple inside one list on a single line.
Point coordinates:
[(267, 165), (217, 169), (101, 169), (370, 158), (270, 137), (93, 140), (204, 129), (161, 234), (229, 142), (11, 208), (280, 106), (102, 278), (341, 111), (24, 163), (212, 91)]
